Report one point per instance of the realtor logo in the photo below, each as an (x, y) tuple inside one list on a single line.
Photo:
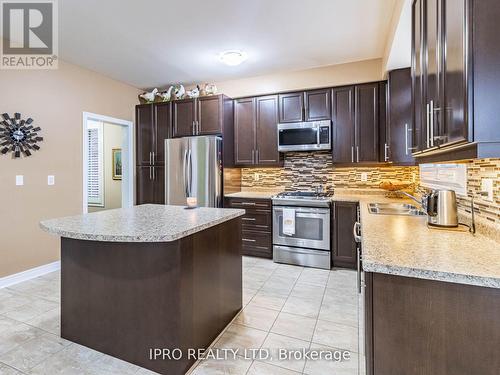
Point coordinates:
[(29, 32)]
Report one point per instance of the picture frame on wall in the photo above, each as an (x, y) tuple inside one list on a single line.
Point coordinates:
[(117, 163)]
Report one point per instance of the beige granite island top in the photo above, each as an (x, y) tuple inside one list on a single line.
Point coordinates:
[(405, 246), (144, 223)]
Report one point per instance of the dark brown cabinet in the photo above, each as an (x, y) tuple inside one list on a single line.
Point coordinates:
[(454, 52), (184, 115), (419, 327), (344, 247), (153, 126), (398, 139), (367, 123), (255, 131), (313, 105), (355, 114), (144, 134), (207, 115), (256, 234), (150, 185), (343, 124)]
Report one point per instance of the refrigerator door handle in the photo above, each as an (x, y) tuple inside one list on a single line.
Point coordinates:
[(184, 169), (190, 175)]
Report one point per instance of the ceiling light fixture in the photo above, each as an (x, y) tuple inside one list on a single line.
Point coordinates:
[(233, 57)]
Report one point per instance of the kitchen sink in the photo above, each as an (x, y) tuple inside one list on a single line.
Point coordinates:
[(395, 209)]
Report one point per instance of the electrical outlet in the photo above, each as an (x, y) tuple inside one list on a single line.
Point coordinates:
[(487, 187), (51, 180), (364, 176), (19, 180), (256, 176)]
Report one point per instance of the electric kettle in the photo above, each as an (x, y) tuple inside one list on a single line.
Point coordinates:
[(441, 208)]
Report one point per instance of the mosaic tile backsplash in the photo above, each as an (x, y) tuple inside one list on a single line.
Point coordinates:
[(304, 171)]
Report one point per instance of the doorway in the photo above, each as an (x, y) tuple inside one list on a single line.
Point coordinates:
[(107, 163)]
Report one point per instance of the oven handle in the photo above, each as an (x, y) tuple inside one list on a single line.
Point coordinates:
[(315, 211)]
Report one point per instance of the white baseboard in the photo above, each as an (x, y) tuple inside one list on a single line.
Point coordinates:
[(29, 274)]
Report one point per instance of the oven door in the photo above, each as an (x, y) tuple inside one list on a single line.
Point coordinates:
[(298, 137), (312, 228)]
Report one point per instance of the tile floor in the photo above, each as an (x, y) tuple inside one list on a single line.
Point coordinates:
[(284, 307)]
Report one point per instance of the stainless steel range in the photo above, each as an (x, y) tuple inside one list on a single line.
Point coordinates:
[(301, 229)]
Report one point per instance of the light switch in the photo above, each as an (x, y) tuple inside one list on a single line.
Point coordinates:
[(364, 176), (487, 187), (256, 177), (51, 180), (19, 180)]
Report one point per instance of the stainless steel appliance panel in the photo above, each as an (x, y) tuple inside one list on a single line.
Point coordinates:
[(312, 228), (301, 257), (193, 168), (304, 136)]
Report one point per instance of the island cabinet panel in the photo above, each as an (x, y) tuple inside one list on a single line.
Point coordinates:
[(256, 236), (123, 299), (421, 327), (344, 246)]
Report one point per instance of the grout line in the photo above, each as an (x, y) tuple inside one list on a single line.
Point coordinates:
[(13, 368)]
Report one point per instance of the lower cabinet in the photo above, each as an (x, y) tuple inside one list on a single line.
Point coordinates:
[(150, 185), (256, 224), (419, 327), (344, 247)]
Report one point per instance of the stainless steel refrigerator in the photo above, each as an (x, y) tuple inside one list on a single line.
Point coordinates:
[(193, 168)]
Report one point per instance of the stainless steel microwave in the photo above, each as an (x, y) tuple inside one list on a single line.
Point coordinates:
[(305, 136)]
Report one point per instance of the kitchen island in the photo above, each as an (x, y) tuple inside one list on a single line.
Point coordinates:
[(149, 277)]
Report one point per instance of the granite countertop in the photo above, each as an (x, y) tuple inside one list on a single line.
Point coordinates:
[(405, 246), (145, 223)]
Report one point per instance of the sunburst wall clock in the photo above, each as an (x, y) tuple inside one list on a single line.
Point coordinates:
[(18, 136)]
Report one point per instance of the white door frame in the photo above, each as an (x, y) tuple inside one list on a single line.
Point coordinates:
[(128, 160)]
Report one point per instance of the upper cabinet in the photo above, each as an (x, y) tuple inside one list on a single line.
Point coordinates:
[(255, 131), (355, 115), (455, 77), (207, 115), (153, 126), (313, 105), (398, 138)]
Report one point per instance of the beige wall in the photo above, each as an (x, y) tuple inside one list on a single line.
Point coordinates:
[(113, 138), (55, 100), (332, 75)]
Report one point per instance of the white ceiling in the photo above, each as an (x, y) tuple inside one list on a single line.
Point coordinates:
[(157, 42)]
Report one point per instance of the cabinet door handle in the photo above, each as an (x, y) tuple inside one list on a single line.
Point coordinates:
[(248, 219), (150, 175), (199, 127), (432, 122), (257, 156), (193, 126), (352, 154), (150, 158), (154, 158), (248, 240), (357, 154), (386, 152), (428, 125), (406, 139), (247, 203), (153, 173)]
